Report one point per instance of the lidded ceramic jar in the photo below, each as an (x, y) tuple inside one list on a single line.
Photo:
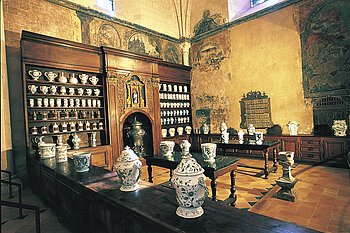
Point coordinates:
[(61, 154), (189, 181), (293, 128), (339, 127), (223, 128), (205, 128), (167, 147), (209, 151), (128, 168), (251, 129)]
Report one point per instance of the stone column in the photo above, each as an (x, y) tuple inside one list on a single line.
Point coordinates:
[(287, 181), (185, 46)]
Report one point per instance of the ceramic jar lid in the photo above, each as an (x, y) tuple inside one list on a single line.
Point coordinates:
[(188, 166), (127, 155)]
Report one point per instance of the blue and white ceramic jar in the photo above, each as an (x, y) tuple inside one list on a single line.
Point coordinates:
[(189, 181), (167, 148), (209, 151), (128, 168), (81, 161), (47, 150)]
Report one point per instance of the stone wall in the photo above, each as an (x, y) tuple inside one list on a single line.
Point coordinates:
[(263, 54)]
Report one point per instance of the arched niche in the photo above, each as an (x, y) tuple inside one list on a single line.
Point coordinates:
[(146, 126)]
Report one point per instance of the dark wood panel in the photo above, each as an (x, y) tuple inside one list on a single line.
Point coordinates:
[(51, 51), (174, 74)]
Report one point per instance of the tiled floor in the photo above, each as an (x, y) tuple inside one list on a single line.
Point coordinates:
[(323, 201)]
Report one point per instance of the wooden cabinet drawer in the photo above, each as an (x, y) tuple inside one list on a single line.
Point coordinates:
[(311, 149), (310, 143)]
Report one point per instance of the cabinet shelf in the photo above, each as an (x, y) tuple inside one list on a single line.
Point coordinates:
[(57, 108), (64, 120), (61, 83), (68, 132), (64, 96)]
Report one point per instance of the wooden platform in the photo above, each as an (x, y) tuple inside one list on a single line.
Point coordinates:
[(92, 202)]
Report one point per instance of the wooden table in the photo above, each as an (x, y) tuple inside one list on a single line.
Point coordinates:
[(251, 145), (222, 165)]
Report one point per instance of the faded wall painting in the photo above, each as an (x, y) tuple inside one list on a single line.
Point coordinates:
[(108, 36), (325, 50), (170, 53), (209, 57), (207, 23), (143, 44)]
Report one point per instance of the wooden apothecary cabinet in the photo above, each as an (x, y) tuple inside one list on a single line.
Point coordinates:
[(65, 94)]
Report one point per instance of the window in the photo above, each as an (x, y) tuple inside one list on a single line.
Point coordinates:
[(253, 3), (106, 5)]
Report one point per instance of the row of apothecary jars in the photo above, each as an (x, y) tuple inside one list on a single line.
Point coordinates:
[(175, 105), (169, 96), (172, 131), (62, 78), (174, 120), (64, 114), (174, 113), (66, 103), (62, 90), (172, 87), (67, 127)]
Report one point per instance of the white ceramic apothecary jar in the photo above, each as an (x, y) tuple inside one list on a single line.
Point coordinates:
[(205, 129), (167, 147), (47, 150), (189, 181), (209, 151), (339, 127), (128, 168), (293, 128), (81, 161)]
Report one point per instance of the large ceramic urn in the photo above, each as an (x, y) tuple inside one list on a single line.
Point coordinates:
[(128, 168), (339, 127), (189, 181)]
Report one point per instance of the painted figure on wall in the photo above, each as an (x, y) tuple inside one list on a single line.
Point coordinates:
[(171, 54), (207, 23), (135, 93)]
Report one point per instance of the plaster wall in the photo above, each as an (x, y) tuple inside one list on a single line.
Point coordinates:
[(263, 55)]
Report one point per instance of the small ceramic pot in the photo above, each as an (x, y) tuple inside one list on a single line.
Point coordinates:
[(293, 128), (225, 137), (128, 168), (188, 129), (209, 151), (164, 133), (251, 129), (61, 154), (259, 137), (81, 161), (167, 147), (35, 74), (205, 129), (172, 132), (180, 130), (47, 150)]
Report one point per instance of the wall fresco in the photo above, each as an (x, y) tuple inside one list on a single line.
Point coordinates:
[(325, 44), (209, 57), (143, 44), (108, 36), (171, 53), (207, 23)]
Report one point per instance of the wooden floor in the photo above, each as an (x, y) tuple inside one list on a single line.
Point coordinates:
[(323, 198)]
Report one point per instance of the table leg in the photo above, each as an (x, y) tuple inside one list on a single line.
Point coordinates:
[(275, 160), (266, 157), (149, 169), (233, 187), (213, 189), (171, 174)]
